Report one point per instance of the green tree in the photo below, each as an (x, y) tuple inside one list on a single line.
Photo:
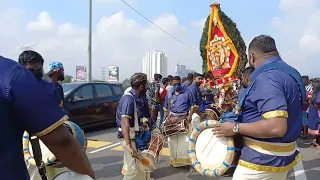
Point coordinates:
[(126, 83), (234, 34)]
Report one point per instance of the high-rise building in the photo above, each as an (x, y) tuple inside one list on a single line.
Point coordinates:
[(155, 62), (182, 70)]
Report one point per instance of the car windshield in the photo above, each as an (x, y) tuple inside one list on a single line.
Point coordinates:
[(67, 87)]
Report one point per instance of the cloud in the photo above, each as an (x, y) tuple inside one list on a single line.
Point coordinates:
[(198, 24), (117, 40), (298, 34)]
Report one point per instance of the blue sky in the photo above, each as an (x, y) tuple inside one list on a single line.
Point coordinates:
[(278, 18)]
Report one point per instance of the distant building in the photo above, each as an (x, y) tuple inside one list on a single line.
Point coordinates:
[(155, 62), (182, 70)]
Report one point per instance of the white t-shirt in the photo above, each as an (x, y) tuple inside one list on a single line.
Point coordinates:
[(127, 90)]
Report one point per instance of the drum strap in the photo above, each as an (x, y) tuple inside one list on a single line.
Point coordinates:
[(38, 157)]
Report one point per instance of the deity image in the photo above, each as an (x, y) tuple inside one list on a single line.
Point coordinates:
[(219, 55)]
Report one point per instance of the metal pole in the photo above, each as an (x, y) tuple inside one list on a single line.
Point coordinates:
[(89, 43)]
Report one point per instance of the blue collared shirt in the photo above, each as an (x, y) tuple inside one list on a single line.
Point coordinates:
[(180, 103), (194, 90), (51, 89), (126, 108), (24, 106), (273, 91)]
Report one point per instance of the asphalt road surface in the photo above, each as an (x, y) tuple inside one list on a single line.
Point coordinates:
[(105, 154)]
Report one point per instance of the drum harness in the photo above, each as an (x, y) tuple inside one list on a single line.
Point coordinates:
[(38, 157)]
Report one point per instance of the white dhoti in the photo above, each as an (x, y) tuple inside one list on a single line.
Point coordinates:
[(243, 173), (130, 169), (51, 172), (178, 146)]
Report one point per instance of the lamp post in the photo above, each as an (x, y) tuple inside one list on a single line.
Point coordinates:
[(89, 43)]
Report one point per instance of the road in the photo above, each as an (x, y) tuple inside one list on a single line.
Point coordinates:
[(105, 154)]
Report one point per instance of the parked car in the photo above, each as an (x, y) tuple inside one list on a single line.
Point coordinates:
[(93, 103)]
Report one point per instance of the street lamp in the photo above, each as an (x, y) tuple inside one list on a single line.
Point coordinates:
[(89, 43)]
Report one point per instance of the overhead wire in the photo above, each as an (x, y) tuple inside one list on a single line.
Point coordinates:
[(158, 26)]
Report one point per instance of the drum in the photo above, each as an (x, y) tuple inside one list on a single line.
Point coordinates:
[(175, 125), (48, 158), (210, 156), (212, 113), (69, 175), (148, 160)]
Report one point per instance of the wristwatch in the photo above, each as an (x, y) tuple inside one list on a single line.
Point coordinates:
[(236, 128)]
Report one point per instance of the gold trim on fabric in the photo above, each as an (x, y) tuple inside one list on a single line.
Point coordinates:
[(275, 113), (180, 161), (165, 109), (126, 116), (52, 127), (61, 104), (273, 147), (258, 167)]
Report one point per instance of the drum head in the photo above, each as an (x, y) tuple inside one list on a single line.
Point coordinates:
[(69, 175), (210, 150), (146, 162)]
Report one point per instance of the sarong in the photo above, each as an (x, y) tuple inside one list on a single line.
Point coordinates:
[(243, 173), (51, 172), (130, 169), (178, 146)]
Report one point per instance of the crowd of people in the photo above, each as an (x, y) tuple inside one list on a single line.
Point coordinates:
[(273, 104), (272, 97)]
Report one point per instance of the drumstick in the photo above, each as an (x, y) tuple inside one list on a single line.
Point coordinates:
[(207, 144)]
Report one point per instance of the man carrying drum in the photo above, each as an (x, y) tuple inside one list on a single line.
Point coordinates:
[(178, 108), (26, 107), (34, 62), (271, 115), (128, 124)]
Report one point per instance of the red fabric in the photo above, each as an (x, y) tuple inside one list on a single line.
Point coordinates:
[(306, 103), (221, 72), (163, 93)]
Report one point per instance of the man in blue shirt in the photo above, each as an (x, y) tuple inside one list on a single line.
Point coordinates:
[(128, 123), (245, 81), (34, 62), (24, 106), (271, 115), (178, 108)]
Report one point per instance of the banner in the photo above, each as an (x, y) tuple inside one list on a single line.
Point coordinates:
[(81, 73), (113, 73)]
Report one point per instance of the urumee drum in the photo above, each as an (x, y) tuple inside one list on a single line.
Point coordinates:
[(212, 113), (175, 125), (210, 156), (209, 114), (48, 158), (69, 175), (148, 160)]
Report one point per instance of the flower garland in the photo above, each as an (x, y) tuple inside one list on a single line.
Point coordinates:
[(209, 36)]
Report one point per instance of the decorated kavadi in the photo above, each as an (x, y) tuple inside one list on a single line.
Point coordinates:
[(224, 57)]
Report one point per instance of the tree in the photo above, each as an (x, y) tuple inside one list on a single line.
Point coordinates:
[(234, 34), (67, 79), (126, 83)]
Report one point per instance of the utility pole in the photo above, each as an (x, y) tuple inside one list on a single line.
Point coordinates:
[(90, 43)]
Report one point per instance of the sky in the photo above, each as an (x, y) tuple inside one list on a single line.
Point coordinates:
[(58, 30)]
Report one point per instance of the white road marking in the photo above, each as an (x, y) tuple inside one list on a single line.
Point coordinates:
[(103, 148), (299, 172)]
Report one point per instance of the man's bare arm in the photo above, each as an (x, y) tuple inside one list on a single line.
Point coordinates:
[(125, 126), (66, 148), (265, 128)]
